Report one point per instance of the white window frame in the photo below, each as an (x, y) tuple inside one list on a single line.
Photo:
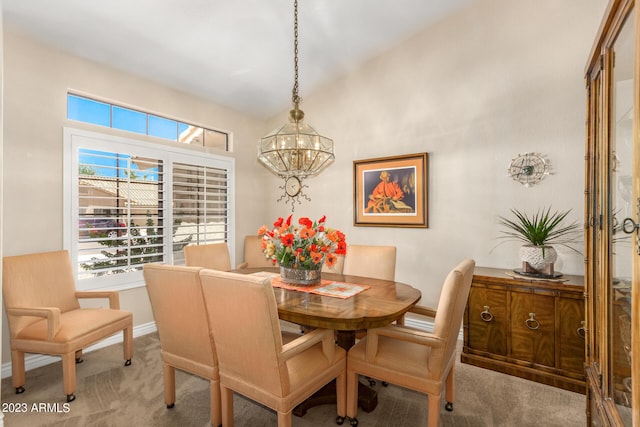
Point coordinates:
[(74, 139)]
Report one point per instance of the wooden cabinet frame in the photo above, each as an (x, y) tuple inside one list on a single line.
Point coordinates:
[(603, 301), (532, 329)]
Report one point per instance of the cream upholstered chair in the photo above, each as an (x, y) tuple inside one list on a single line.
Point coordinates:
[(413, 358), (213, 255), (370, 261), (181, 319), (253, 361), (378, 262), (253, 253), (45, 317)]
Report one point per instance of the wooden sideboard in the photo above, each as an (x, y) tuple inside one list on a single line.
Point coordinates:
[(528, 328)]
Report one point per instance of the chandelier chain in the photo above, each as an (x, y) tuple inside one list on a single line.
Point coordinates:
[(295, 98)]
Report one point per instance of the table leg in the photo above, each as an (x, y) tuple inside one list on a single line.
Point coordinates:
[(367, 397)]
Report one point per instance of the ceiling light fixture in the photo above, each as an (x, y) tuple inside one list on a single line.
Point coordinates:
[(295, 150)]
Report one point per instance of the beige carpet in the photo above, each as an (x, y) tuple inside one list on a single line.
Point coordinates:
[(109, 394)]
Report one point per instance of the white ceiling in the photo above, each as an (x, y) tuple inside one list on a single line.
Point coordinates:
[(238, 53)]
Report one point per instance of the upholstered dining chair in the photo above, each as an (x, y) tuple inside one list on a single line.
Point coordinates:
[(254, 361), (370, 261), (213, 255), (181, 319), (412, 358), (45, 316), (253, 253)]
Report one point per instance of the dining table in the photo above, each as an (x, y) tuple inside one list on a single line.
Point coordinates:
[(369, 303)]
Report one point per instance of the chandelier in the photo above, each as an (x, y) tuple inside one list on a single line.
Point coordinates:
[(295, 149)]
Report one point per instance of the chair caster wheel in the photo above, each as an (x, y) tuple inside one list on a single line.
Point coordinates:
[(385, 384), (171, 405), (71, 397), (339, 420), (354, 422), (79, 360), (449, 406), (127, 362), (19, 390)]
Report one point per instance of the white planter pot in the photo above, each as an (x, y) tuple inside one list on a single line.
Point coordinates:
[(538, 257)]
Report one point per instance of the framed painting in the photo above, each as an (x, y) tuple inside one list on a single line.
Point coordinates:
[(391, 191)]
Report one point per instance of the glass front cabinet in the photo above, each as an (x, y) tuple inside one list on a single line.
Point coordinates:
[(612, 217)]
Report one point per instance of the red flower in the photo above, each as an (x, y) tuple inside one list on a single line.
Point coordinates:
[(331, 260), (307, 233), (342, 248), (316, 257), (306, 222), (289, 220), (278, 223), (287, 239), (323, 219)]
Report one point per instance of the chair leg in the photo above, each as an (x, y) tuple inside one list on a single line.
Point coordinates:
[(226, 400), (17, 370), (352, 396), (169, 385), (79, 356), (284, 419), (450, 389), (434, 410), (216, 410), (341, 397), (127, 344), (69, 375)]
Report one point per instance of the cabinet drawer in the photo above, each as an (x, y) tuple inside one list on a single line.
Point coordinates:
[(487, 312), (533, 328)]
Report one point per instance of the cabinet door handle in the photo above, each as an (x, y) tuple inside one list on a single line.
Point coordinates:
[(532, 323), (486, 315), (580, 331)]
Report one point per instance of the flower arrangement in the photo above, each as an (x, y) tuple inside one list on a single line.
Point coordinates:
[(304, 247)]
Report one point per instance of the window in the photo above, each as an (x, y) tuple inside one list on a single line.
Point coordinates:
[(89, 110), (130, 203)]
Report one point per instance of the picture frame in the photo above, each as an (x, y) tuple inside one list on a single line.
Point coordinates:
[(391, 191)]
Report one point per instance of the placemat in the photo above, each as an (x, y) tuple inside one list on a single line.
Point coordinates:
[(327, 288)]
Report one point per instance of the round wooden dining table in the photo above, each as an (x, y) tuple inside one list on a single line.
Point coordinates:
[(382, 303)]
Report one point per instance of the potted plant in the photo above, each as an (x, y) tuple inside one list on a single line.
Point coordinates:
[(538, 233)]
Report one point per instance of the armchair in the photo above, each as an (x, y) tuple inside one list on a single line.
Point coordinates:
[(254, 361), (45, 316), (253, 253), (370, 261), (214, 256), (412, 358), (181, 319)]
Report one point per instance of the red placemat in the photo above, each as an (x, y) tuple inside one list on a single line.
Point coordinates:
[(327, 288)]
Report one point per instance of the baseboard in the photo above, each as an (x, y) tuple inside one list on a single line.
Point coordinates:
[(37, 360)]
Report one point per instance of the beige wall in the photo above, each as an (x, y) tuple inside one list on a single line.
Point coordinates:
[(496, 79), (36, 80)]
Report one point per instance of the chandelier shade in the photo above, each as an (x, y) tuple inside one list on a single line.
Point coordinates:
[(295, 148)]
